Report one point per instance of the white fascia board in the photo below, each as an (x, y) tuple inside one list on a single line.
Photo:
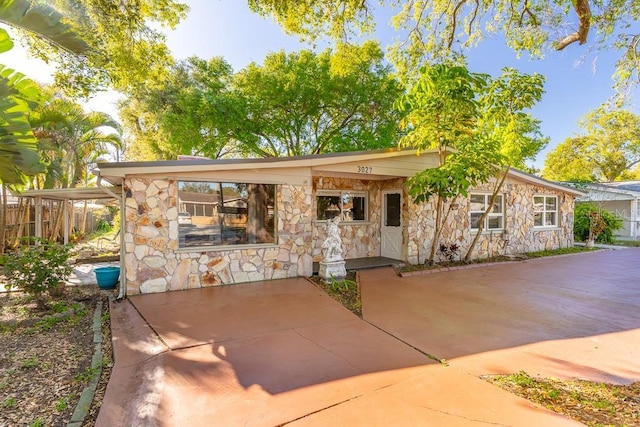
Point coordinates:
[(544, 183)]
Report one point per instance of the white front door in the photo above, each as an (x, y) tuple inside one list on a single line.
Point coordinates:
[(391, 227)]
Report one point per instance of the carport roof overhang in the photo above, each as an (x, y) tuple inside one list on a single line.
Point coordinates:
[(93, 193)]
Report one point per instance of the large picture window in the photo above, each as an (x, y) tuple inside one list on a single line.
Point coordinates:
[(545, 211), (352, 205), (225, 214), (478, 204)]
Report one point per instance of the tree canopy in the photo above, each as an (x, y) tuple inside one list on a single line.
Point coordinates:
[(293, 104), (607, 151), (436, 29), (118, 42)]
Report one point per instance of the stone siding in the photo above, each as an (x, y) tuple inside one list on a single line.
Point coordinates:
[(519, 235), (359, 240), (154, 262)]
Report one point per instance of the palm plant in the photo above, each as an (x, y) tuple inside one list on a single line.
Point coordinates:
[(18, 95), (71, 142)]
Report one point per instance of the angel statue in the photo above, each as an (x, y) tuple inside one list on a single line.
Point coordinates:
[(332, 245)]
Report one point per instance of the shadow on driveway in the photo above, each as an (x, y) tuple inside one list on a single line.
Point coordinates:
[(283, 352)]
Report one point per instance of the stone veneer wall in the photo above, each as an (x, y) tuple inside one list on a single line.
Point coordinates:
[(154, 262), (359, 240), (519, 236)]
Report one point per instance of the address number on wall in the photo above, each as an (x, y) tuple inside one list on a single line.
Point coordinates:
[(365, 169)]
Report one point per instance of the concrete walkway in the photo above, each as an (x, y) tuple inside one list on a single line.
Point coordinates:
[(282, 352)]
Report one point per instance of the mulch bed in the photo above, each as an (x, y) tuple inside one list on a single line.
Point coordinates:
[(45, 357)]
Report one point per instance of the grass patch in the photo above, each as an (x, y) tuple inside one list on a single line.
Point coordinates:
[(559, 251), (86, 376), (591, 403), (628, 243), (9, 402)]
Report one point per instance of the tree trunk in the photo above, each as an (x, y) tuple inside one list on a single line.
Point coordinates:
[(496, 190), (3, 219), (437, 230)]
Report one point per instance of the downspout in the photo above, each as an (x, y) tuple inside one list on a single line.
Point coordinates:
[(122, 293)]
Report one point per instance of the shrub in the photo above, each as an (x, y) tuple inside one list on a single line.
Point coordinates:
[(449, 251), (591, 215), (38, 269), (103, 226)]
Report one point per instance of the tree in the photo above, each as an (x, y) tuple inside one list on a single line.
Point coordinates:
[(192, 113), (608, 151), (515, 135), (71, 141), (442, 113), (293, 104), (594, 224), (120, 44), (567, 163), (307, 103), (438, 28)]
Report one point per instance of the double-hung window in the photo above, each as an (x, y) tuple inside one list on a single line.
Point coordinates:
[(478, 204), (225, 213), (351, 206), (545, 210)]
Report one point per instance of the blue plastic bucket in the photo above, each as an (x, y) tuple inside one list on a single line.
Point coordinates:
[(107, 277)]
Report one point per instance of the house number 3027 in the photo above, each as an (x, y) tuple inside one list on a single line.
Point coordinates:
[(365, 169)]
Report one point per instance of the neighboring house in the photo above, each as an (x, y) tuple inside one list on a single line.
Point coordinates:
[(621, 198), (265, 217)]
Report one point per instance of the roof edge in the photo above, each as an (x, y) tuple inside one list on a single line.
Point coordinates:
[(541, 181)]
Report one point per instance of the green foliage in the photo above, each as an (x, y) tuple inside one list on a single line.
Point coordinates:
[(62, 404), (583, 223), (71, 141), (9, 402), (86, 375), (607, 151), (38, 422), (18, 95), (441, 108), (559, 251), (31, 362), (433, 30), (37, 269), (125, 48), (44, 22), (510, 134), (522, 379), (103, 226), (293, 104), (343, 284)]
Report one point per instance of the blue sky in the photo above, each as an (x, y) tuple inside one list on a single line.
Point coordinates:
[(227, 28)]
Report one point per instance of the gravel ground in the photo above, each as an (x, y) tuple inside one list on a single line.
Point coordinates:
[(45, 361)]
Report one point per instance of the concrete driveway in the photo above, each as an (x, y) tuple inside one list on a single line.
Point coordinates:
[(282, 352), (565, 317)]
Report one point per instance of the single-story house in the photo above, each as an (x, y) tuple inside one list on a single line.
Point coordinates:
[(264, 218), (620, 198)]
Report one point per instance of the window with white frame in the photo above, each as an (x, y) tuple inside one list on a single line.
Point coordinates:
[(351, 205), (545, 210), (478, 204)]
